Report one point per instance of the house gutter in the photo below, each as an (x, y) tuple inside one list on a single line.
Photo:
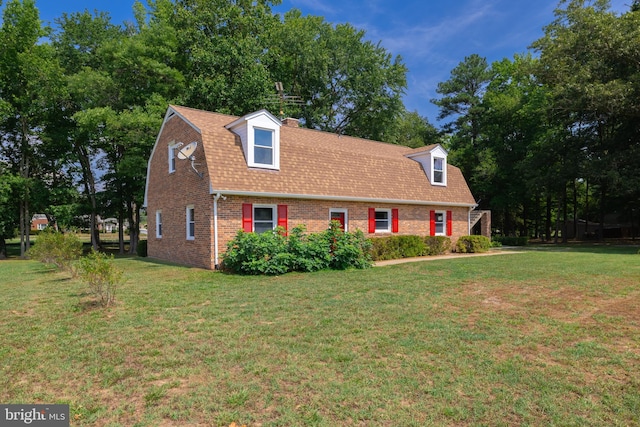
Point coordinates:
[(215, 230), (471, 206)]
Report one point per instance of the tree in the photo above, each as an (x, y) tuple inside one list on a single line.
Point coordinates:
[(29, 82), (350, 86), (222, 47), (588, 59), (462, 100)]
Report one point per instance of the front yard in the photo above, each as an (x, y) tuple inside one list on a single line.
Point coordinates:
[(541, 338)]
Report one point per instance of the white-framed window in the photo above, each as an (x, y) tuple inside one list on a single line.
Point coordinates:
[(41, 226), (383, 220), (159, 224), (340, 215), (263, 147), (439, 170), (265, 218), (440, 221), (191, 223), (172, 158)]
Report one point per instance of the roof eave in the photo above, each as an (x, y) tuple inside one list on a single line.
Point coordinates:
[(339, 198)]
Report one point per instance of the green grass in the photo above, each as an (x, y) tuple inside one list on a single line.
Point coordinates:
[(540, 338)]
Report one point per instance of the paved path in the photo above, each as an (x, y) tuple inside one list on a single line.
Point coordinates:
[(448, 256)]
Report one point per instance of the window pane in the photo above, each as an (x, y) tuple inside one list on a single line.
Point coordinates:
[(263, 155), (261, 227), (439, 223), (192, 229), (263, 138), (382, 215), (437, 164), (382, 221), (437, 176), (263, 214)]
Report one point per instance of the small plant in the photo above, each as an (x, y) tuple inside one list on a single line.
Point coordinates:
[(473, 244), (57, 249), (437, 245), (103, 278)]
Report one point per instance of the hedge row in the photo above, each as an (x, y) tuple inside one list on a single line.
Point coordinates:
[(396, 247), (473, 244)]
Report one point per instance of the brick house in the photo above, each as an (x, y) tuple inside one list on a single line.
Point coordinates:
[(210, 175)]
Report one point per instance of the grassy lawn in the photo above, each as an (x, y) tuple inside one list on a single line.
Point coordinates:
[(540, 338)]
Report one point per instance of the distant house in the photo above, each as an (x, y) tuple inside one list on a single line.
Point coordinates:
[(210, 175), (39, 222)]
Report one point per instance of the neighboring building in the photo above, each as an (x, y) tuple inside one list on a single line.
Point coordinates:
[(210, 175), (39, 222)]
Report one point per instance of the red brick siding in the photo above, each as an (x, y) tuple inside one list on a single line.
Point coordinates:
[(314, 214), (172, 193)]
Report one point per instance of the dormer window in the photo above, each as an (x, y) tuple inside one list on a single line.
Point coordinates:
[(433, 159), (260, 136), (263, 147)]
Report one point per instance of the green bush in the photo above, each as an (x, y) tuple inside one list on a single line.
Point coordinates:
[(512, 240), (348, 250), (141, 249), (396, 247), (103, 278), (57, 249), (274, 252), (473, 244), (437, 245)]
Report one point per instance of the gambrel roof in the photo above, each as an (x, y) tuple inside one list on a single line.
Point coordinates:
[(320, 165)]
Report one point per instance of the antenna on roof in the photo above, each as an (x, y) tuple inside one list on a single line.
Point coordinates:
[(186, 152), (281, 99)]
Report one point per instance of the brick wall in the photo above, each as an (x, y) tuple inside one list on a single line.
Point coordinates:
[(172, 193), (314, 214)]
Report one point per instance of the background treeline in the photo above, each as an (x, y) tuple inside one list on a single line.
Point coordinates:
[(542, 140)]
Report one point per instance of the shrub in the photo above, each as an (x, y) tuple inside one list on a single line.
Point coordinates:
[(348, 250), (141, 249), (103, 278), (437, 245), (57, 249), (310, 252), (473, 244), (512, 240), (275, 253), (395, 247), (251, 253)]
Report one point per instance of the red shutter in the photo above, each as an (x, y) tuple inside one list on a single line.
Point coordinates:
[(449, 223), (432, 224), (394, 221), (372, 220), (282, 216), (247, 217)]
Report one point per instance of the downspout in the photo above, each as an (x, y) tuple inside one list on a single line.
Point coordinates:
[(215, 230)]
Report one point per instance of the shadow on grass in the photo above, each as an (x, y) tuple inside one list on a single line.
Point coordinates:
[(607, 248)]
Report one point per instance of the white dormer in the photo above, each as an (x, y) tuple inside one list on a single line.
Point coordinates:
[(434, 162), (260, 136)]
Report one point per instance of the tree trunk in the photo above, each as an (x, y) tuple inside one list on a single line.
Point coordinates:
[(547, 224), (3, 248), (90, 188)]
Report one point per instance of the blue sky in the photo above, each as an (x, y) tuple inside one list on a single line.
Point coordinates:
[(431, 36)]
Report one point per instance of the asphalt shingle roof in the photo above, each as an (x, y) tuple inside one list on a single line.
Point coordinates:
[(322, 165)]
